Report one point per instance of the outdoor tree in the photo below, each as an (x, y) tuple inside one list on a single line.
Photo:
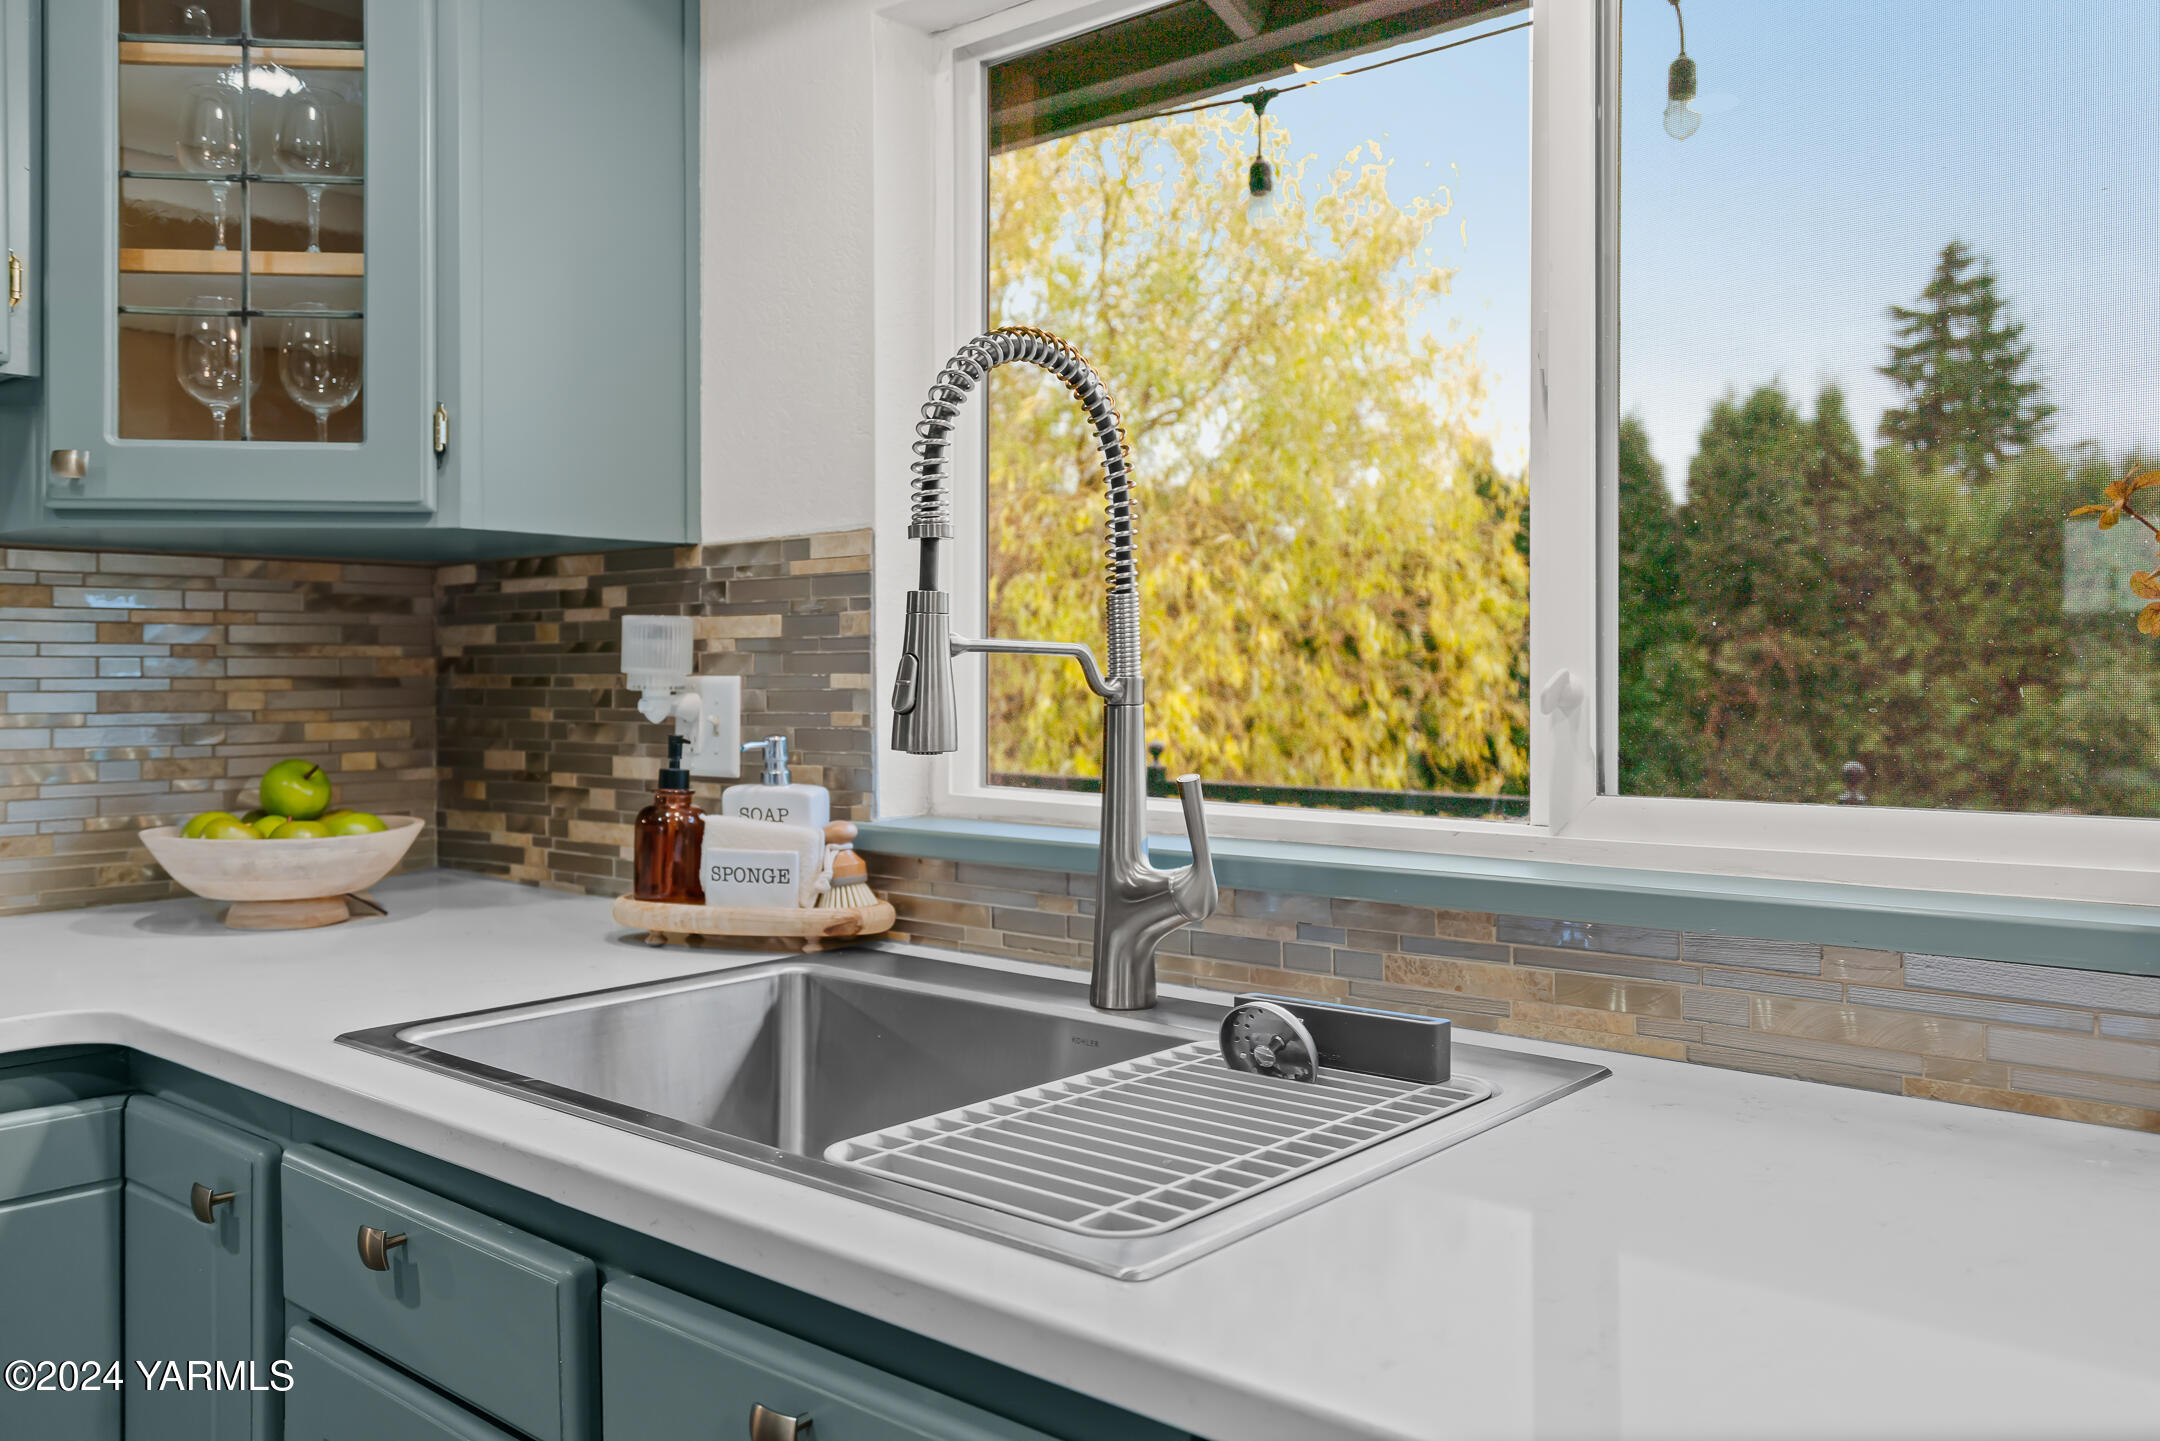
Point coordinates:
[(1662, 664), (1964, 366), (1332, 583)]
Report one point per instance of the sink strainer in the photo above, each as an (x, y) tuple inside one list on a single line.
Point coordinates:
[(1265, 1038)]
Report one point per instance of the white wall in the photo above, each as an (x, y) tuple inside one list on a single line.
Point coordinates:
[(788, 267)]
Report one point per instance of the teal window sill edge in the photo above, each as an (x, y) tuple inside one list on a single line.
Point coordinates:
[(2079, 935)]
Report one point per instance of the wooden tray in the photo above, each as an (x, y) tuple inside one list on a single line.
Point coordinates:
[(813, 929)]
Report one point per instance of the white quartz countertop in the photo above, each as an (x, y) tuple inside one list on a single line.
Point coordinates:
[(1674, 1252)]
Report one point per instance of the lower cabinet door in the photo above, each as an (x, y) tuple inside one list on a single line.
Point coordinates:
[(60, 1270), (674, 1369), (340, 1393), (496, 1316), (200, 1290)]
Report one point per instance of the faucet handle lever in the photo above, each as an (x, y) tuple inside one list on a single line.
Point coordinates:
[(1197, 893)]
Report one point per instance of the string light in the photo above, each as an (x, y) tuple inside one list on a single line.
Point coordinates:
[(1260, 186), (1260, 175), (1681, 120)]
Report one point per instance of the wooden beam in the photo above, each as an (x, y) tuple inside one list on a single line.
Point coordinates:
[(1246, 18), (1041, 117)]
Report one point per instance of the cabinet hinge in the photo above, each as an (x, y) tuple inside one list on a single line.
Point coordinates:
[(14, 280), (442, 428)]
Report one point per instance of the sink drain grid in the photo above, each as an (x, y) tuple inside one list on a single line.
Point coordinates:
[(1147, 1145)]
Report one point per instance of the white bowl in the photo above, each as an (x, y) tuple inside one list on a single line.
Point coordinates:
[(282, 870)]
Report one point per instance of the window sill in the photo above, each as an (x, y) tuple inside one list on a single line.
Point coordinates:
[(2082, 935)]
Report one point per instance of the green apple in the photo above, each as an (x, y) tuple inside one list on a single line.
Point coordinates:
[(230, 829), (268, 826), (352, 823), (300, 831), (254, 816), (194, 829), (299, 789)]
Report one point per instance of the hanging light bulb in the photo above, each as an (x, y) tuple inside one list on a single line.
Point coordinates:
[(1260, 175), (1681, 120)]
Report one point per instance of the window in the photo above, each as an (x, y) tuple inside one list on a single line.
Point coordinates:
[(1886, 317), (1326, 386), (1796, 357)]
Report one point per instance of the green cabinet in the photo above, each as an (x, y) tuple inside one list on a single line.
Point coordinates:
[(676, 1369), (340, 1393), (21, 138), (491, 1314), (404, 278), (60, 1269), (366, 1306), (197, 1288)]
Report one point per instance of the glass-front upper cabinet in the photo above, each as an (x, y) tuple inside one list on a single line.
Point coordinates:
[(255, 330)]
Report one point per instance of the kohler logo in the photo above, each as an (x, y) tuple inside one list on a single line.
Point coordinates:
[(1086, 1041)]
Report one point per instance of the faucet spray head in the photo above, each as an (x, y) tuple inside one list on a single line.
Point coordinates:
[(925, 722)]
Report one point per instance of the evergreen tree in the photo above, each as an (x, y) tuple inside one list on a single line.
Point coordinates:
[(1963, 366), (1861, 536), (1759, 585), (1661, 663)]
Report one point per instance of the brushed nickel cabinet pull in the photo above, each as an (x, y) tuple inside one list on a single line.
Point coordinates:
[(71, 464), (442, 428), (768, 1425), (204, 1202), (376, 1246)]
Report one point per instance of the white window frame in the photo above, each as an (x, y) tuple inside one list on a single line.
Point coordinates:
[(930, 217)]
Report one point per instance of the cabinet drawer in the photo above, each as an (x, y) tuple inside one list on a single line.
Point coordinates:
[(342, 1394), (497, 1317), (56, 1148), (675, 1369)]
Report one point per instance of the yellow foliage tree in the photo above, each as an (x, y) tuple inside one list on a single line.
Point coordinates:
[(1335, 588)]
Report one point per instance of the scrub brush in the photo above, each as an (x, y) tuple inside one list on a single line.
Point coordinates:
[(848, 886)]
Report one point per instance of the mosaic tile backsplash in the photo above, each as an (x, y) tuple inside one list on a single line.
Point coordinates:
[(546, 760), (136, 690), (2036, 1039)]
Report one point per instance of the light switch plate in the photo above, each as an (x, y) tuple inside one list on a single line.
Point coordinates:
[(716, 748)]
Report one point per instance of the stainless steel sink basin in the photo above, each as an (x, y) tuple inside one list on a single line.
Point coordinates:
[(796, 1055), (770, 1063)]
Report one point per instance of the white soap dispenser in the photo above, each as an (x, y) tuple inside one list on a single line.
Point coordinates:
[(774, 797)]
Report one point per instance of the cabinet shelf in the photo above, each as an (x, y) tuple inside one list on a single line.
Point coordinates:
[(293, 57), (227, 262)]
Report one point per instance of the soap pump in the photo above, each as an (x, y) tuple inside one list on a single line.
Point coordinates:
[(774, 797), (668, 837)]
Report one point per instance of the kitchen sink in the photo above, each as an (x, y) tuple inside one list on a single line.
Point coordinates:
[(773, 1064)]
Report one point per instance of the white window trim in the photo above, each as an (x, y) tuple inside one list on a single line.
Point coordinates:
[(929, 220)]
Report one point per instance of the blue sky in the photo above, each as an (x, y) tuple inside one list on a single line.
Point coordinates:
[(1842, 143), (1459, 119)]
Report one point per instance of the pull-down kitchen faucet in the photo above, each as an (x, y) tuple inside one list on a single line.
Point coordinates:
[(1136, 905)]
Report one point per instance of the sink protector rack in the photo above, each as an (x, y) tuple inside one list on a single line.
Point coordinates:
[(1147, 1145)]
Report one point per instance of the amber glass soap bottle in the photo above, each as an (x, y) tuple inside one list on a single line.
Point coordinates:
[(670, 834)]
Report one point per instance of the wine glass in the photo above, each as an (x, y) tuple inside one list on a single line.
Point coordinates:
[(207, 359), (307, 144), (320, 366), (211, 143)]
